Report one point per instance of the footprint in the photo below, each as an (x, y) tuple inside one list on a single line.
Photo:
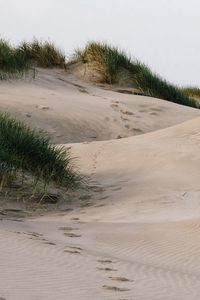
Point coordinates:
[(106, 269), (119, 137), (126, 112), (44, 107), (72, 235), (138, 130), (72, 251), (123, 279), (115, 288), (35, 234), (127, 126), (104, 261), (38, 237), (77, 248), (68, 228), (95, 159), (124, 119), (114, 106), (50, 243)]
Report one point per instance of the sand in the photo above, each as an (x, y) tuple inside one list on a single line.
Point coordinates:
[(134, 234)]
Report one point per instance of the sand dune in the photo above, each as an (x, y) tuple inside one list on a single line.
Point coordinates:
[(71, 110), (134, 234)]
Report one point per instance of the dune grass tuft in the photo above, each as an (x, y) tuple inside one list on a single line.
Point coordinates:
[(192, 91), (12, 62), (42, 54), (106, 59), (153, 85), (16, 61), (109, 61), (24, 151)]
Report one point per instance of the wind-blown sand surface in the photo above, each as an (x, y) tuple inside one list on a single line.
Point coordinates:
[(134, 234)]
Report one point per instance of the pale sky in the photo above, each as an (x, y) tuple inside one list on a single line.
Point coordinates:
[(162, 33)]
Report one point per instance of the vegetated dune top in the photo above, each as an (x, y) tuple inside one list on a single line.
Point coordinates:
[(74, 110)]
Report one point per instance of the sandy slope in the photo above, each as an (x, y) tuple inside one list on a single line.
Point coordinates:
[(71, 110), (136, 233)]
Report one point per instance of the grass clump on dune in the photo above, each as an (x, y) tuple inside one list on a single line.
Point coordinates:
[(42, 54), (24, 151), (12, 62), (105, 59), (153, 85), (109, 61), (16, 61), (193, 92)]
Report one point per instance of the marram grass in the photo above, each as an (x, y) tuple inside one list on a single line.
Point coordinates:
[(42, 54), (16, 61), (109, 60), (191, 91), (153, 85), (12, 63), (24, 151)]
